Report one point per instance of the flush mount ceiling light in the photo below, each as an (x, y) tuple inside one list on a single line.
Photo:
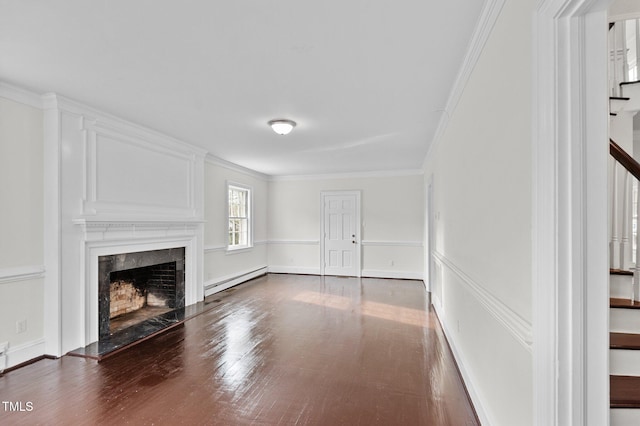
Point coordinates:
[(282, 126)]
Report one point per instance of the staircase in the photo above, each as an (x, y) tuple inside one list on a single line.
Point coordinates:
[(624, 282)]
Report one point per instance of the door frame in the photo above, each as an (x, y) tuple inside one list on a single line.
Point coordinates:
[(569, 215), (358, 195)]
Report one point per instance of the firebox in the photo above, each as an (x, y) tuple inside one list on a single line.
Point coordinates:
[(135, 287)]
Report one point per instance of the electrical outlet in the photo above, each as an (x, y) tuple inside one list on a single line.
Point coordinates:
[(21, 326)]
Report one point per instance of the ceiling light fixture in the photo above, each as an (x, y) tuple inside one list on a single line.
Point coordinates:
[(282, 126)]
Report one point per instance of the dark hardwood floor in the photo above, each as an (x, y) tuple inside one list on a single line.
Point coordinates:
[(279, 350)]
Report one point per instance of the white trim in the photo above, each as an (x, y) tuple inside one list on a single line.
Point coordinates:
[(462, 362), (302, 270), (624, 17), (569, 255), (52, 234), (21, 273), (107, 122), (349, 175), (358, 226), (519, 328), (295, 242), (379, 243), (212, 248), (20, 95), (217, 161), (400, 275), (217, 248), (486, 22), (250, 230), (217, 285), (25, 352)]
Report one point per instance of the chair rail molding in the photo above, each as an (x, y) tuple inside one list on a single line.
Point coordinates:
[(21, 273), (519, 328)]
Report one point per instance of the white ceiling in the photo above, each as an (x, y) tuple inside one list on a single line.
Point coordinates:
[(366, 80)]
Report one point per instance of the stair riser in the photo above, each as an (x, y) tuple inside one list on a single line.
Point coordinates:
[(620, 286), (624, 320), (631, 91), (624, 416), (624, 362)]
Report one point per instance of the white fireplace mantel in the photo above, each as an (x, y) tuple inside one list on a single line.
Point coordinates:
[(111, 187)]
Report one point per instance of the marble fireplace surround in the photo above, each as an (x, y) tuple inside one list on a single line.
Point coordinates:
[(123, 239), (130, 261)]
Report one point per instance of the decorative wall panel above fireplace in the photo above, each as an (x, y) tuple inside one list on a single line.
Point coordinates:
[(112, 187)]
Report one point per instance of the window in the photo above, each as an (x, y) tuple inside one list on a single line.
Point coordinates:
[(239, 202)]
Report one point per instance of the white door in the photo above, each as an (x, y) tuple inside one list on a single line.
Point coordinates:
[(341, 239)]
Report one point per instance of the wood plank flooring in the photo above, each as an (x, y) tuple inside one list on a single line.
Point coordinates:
[(279, 350)]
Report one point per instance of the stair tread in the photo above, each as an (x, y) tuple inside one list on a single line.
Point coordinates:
[(620, 272), (624, 391), (624, 341), (615, 302)]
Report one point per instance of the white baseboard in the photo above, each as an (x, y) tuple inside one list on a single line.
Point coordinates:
[(401, 275), (460, 360), (219, 284), (25, 352), (294, 270)]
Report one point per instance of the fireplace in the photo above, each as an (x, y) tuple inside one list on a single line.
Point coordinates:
[(136, 287)]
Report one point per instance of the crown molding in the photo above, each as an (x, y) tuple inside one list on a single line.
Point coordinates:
[(217, 161), (486, 22), (349, 175), (98, 119), (20, 95)]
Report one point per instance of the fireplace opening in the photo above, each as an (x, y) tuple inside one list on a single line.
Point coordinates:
[(138, 287), (136, 295)]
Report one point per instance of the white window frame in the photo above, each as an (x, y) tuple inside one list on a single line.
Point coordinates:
[(240, 247)]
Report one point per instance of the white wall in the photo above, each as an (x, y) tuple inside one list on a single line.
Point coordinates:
[(620, 8), (392, 222), (222, 268), (482, 179), (21, 229)]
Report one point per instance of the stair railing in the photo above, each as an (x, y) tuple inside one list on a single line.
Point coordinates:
[(624, 228), (624, 53)]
